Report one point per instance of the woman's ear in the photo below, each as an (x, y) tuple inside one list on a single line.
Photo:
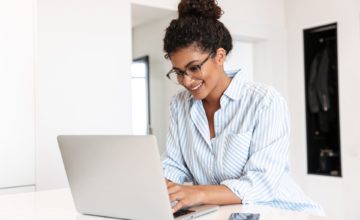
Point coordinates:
[(220, 56)]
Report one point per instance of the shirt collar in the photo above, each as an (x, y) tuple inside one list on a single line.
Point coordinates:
[(233, 91)]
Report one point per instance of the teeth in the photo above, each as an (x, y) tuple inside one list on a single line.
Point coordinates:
[(196, 87)]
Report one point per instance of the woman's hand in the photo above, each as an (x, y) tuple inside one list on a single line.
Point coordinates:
[(184, 195)]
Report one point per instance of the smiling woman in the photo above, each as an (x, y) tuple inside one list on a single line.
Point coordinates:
[(227, 135)]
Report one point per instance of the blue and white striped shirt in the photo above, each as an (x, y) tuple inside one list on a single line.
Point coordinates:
[(249, 153)]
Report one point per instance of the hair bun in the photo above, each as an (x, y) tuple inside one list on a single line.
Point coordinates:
[(199, 8)]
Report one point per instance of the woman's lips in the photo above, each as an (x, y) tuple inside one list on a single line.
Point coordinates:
[(196, 87)]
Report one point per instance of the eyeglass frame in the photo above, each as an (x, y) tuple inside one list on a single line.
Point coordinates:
[(184, 72)]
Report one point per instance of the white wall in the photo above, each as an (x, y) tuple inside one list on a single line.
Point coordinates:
[(164, 4), (261, 23), (82, 76), (148, 40), (339, 196), (257, 12), (269, 48), (17, 150), (241, 57)]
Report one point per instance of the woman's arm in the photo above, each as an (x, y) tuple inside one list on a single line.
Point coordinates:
[(268, 154), (174, 164)]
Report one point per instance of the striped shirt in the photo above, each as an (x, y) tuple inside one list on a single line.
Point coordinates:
[(249, 153)]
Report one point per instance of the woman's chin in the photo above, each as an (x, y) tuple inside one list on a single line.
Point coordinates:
[(199, 95)]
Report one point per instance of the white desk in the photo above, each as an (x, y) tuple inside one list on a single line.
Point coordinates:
[(58, 205)]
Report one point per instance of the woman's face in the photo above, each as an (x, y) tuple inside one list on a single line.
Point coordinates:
[(203, 84)]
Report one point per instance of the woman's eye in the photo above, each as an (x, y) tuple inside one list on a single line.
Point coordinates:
[(194, 69)]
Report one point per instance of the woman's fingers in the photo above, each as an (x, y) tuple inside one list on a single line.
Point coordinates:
[(178, 206), (179, 195), (183, 195)]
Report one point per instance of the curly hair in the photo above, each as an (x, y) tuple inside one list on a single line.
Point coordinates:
[(197, 24)]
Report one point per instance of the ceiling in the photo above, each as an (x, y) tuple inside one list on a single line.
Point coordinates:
[(141, 14)]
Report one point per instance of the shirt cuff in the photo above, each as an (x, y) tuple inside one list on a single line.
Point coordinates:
[(239, 188), (175, 175)]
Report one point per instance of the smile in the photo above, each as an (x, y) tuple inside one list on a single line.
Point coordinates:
[(196, 87)]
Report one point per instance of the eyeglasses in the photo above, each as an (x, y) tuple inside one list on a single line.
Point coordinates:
[(177, 76)]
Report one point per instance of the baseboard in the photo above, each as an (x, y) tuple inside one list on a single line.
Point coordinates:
[(17, 189)]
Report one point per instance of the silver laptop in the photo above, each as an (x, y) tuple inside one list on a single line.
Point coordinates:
[(120, 177)]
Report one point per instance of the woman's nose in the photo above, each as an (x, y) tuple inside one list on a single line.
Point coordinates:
[(187, 80)]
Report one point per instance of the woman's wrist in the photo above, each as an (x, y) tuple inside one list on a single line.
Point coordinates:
[(202, 194)]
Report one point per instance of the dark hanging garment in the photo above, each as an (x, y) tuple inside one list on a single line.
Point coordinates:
[(318, 88), (318, 82)]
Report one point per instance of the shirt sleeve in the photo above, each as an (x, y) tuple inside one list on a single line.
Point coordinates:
[(268, 155), (174, 165)]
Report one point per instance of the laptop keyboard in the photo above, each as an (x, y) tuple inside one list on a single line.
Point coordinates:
[(182, 212)]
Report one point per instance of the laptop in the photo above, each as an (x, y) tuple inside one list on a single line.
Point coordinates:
[(119, 176)]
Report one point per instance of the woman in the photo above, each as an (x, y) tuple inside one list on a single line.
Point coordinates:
[(227, 135)]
